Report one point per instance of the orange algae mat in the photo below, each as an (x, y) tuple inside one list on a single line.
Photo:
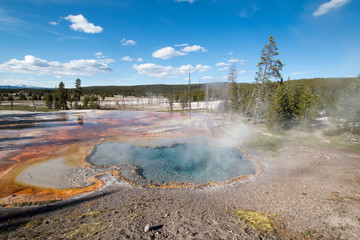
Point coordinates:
[(33, 138)]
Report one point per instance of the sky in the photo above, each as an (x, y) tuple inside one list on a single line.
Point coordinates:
[(137, 42)]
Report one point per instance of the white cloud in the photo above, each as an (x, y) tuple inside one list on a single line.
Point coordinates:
[(107, 60), (167, 53), (158, 71), (181, 45), (129, 59), (33, 65), (206, 77), (220, 64), (99, 54), (125, 42), (224, 68), (189, 1), (53, 23), (241, 61), (242, 71), (233, 60), (194, 48), (80, 24), (327, 7)]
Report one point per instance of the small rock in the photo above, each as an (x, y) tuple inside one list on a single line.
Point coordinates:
[(147, 227)]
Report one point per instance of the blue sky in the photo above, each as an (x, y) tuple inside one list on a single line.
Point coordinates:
[(115, 42)]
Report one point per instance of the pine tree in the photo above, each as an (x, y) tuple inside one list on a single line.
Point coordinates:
[(291, 104), (233, 89), (78, 92), (280, 111), (268, 70), (61, 96), (86, 101), (49, 101)]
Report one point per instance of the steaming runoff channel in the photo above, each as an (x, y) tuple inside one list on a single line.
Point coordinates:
[(197, 163)]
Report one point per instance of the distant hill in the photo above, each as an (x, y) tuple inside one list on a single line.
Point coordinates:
[(21, 87)]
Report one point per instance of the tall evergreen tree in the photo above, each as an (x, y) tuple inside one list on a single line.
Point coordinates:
[(268, 70), (233, 89), (78, 92), (280, 111), (61, 96), (49, 100)]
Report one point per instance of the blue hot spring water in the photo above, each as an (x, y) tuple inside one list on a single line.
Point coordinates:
[(198, 163)]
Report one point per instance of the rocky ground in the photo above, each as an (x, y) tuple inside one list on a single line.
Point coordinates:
[(309, 189)]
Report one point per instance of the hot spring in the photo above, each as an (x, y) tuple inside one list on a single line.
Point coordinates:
[(148, 149), (197, 163)]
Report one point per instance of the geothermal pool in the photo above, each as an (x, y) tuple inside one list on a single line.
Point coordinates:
[(142, 148), (198, 163)]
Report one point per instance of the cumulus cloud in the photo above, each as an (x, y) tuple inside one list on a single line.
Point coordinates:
[(220, 64), (159, 71), (181, 45), (167, 53), (233, 60), (126, 58), (53, 23), (125, 42), (170, 52), (129, 59), (328, 6), (241, 61), (80, 24), (100, 56), (33, 65), (194, 48)]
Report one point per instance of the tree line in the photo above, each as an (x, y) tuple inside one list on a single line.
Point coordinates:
[(285, 104)]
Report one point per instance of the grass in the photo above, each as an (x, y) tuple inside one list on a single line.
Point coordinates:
[(276, 142), (87, 230), (256, 220), (265, 143)]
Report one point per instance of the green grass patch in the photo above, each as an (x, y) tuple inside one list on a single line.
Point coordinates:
[(265, 143), (256, 220), (334, 131)]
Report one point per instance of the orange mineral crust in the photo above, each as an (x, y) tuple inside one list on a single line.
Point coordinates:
[(71, 137), (46, 160)]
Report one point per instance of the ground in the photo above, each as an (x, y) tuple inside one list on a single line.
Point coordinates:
[(309, 189)]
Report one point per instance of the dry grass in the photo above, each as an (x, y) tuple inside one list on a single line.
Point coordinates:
[(257, 220)]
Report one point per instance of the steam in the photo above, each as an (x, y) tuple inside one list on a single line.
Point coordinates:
[(196, 162)]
